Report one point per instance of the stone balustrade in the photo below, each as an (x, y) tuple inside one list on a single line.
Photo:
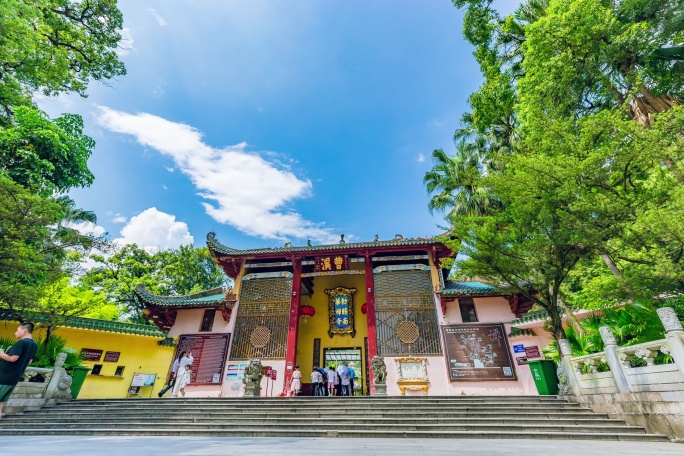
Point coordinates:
[(33, 395), (642, 384)]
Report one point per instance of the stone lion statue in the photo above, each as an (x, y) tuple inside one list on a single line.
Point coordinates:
[(253, 373), (379, 369)]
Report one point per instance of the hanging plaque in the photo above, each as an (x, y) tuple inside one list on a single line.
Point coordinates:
[(332, 263), (341, 311)]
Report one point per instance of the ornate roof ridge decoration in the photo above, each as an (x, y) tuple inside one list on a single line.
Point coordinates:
[(94, 324), (207, 298), (398, 241)]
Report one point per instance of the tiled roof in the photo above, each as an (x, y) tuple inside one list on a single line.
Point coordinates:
[(207, 298), (453, 288), (399, 241), (90, 323), (531, 316), (518, 332)]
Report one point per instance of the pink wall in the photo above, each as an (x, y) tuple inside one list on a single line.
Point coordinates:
[(489, 310), (188, 321)]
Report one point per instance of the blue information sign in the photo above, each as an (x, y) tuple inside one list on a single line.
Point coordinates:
[(519, 348)]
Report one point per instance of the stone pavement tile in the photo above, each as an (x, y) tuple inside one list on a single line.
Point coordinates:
[(226, 446)]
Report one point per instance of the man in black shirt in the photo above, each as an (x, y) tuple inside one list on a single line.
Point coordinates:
[(14, 362)]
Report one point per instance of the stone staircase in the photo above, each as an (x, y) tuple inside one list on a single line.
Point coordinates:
[(530, 417)]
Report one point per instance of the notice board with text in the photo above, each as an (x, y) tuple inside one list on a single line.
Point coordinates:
[(209, 352)]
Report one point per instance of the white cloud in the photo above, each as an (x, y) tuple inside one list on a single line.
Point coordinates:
[(248, 192), (127, 43), (169, 169), (155, 230), (86, 228), (160, 20), (421, 158), (165, 187), (119, 219)]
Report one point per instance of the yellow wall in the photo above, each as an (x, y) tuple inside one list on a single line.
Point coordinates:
[(316, 327), (139, 354)]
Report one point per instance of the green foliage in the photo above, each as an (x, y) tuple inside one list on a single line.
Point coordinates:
[(576, 133), (56, 46), (47, 352), (34, 244), (170, 272), (46, 155)]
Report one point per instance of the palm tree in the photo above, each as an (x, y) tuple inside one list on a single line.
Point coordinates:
[(455, 183)]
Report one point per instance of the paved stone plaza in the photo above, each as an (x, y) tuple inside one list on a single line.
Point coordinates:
[(186, 446)]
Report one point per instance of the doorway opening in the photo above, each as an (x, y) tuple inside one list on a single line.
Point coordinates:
[(352, 358)]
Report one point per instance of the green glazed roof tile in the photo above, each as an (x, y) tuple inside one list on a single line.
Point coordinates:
[(215, 245), (208, 298), (89, 323), (454, 288)]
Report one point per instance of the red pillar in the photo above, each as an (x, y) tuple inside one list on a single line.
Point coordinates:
[(293, 325), (370, 316)]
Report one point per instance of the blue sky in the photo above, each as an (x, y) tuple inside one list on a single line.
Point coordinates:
[(271, 121)]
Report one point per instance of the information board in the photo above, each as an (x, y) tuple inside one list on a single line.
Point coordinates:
[(532, 352), (112, 357), (143, 379), (478, 352), (209, 352), (90, 354)]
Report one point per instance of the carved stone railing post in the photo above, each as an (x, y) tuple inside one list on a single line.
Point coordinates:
[(611, 351), (60, 384), (566, 374), (673, 334)]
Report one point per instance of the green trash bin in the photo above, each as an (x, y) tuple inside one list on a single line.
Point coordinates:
[(78, 376), (544, 375)]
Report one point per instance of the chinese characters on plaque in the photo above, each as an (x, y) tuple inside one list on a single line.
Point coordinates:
[(341, 311), (332, 263)]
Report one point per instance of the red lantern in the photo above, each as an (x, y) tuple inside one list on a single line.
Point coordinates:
[(364, 308), (306, 311)]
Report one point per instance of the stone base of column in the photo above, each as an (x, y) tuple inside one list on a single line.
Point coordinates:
[(252, 391), (380, 389)]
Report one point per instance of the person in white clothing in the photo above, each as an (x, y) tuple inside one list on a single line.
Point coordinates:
[(332, 379), (184, 379), (184, 361)]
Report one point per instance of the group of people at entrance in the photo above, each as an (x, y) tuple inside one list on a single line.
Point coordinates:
[(181, 371), (326, 382)]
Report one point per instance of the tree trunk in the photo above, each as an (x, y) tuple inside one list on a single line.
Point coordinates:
[(644, 106), (614, 269)]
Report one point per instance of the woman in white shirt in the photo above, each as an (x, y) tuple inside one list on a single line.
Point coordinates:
[(185, 361)]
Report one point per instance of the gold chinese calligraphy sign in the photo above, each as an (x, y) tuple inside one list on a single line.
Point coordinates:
[(341, 311), (332, 263)]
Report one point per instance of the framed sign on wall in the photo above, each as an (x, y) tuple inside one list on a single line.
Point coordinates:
[(478, 352)]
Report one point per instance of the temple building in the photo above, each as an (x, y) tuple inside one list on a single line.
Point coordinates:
[(323, 305)]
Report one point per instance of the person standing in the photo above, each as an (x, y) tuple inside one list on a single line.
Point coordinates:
[(172, 377), (184, 361), (14, 362), (296, 381), (344, 380), (314, 382), (352, 376), (323, 380), (332, 379), (184, 379)]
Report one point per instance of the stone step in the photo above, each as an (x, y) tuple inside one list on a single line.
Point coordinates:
[(15, 421), (342, 406), (306, 399), (342, 433), (503, 428)]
